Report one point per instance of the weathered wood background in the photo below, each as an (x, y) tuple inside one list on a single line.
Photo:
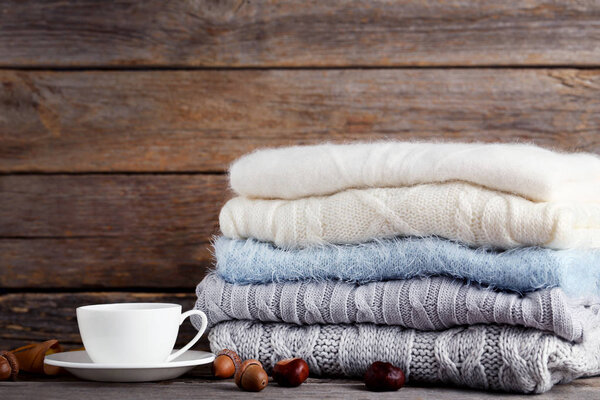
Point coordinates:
[(118, 119)]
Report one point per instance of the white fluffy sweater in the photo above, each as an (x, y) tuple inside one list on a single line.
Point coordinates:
[(526, 170), (454, 210)]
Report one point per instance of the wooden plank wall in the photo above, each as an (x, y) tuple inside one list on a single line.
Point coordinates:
[(118, 119)]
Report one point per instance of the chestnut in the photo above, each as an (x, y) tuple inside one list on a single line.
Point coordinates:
[(290, 372), (225, 364), (383, 376), (9, 366), (251, 376)]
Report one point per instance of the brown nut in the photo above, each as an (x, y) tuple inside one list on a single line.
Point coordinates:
[(5, 369), (290, 372), (9, 366), (383, 376), (226, 363), (251, 376)]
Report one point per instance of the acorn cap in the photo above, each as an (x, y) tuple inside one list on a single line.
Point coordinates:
[(237, 361)]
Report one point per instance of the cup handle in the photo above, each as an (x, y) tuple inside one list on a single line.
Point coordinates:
[(196, 338)]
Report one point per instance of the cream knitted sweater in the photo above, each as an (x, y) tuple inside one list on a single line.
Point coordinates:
[(529, 171), (454, 210)]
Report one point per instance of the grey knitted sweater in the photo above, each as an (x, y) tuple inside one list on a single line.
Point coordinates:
[(497, 357), (434, 303)]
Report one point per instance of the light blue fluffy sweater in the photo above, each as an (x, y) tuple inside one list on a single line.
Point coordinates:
[(577, 272)]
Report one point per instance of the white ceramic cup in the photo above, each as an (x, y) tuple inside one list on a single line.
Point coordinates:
[(134, 333)]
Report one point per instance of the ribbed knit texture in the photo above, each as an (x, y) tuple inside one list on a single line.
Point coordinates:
[(511, 359), (426, 304), (458, 211), (532, 172), (577, 272)]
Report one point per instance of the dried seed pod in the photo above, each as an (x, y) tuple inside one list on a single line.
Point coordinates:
[(226, 363), (251, 376), (31, 357)]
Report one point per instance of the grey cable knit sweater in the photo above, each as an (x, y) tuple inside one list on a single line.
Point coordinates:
[(497, 357), (435, 303)]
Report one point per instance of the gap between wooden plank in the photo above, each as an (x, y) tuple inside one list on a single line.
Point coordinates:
[(57, 173), (149, 68), (77, 290)]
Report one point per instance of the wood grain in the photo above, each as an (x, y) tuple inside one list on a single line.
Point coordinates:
[(199, 121), (197, 382), (170, 207), (102, 263), (41, 316), (261, 33), (104, 231)]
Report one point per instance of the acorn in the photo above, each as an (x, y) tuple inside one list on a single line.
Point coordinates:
[(225, 364), (251, 376), (9, 366)]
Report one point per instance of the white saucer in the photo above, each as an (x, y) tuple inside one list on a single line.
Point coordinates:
[(79, 364)]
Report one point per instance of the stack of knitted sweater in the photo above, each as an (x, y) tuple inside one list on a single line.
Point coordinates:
[(466, 264)]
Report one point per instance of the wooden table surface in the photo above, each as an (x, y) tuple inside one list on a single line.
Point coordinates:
[(199, 385)]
